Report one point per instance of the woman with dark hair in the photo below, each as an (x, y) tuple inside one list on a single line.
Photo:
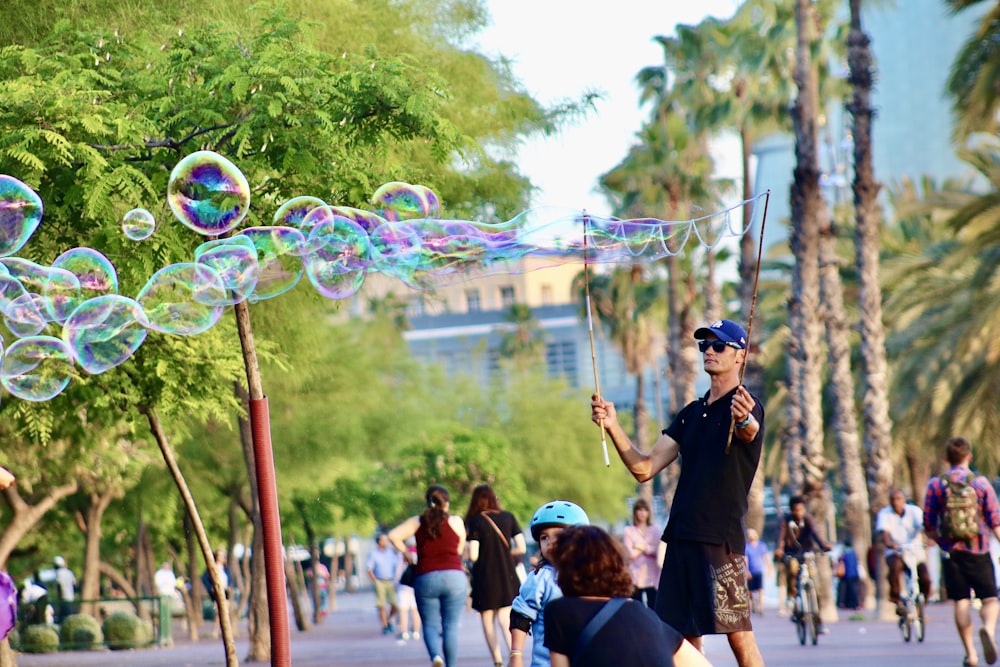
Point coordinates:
[(440, 585), (495, 540), (642, 547), (596, 583)]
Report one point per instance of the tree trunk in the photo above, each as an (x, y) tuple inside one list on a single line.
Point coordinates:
[(90, 521), (25, 516), (259, 628), (198, 529), (808, 216), (877, 424), (295, 595), (857, 520)]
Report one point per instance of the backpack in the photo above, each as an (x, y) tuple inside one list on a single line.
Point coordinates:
[(960, 516)]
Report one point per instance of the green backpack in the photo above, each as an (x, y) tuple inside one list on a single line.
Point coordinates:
[(960, 518)]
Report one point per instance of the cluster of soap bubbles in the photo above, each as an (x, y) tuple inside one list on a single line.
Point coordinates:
[(334, 247)]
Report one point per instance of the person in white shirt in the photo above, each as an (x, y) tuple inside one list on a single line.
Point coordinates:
[(900, 526), (165, 580), (66, 588)]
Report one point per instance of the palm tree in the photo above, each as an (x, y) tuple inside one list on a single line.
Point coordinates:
[(974, 74), (808, 215), (874, 378)]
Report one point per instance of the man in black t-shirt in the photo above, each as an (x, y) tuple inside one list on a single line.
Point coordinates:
[(705, 533)]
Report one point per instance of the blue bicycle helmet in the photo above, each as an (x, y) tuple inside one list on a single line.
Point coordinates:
[(557, 513)]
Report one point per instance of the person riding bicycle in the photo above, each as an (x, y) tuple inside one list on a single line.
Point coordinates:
[(796, 536), (900, 526)]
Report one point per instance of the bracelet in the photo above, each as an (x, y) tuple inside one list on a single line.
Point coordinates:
[(745, 422), (515, 651)]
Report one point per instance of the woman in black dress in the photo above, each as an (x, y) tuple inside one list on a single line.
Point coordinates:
[(495, 541)]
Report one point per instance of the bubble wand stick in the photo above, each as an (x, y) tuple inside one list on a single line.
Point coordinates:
[(590, 329), (753, 304)]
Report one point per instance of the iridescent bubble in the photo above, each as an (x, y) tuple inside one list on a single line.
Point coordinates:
[(37, 368), (294, 211), (208, 193), (368, 220), (138, 224), (60, 288), (177, 299), (20, 213), (402, 201), (104, 332), (279, 260), (235, 260), (96, 273), (24, 315), (339, 256)]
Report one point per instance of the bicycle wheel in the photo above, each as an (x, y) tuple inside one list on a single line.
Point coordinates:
[(799, 616), (906, 623), (812, 618), (919, 622)]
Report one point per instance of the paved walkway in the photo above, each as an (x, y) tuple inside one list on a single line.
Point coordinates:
[(351, 637)]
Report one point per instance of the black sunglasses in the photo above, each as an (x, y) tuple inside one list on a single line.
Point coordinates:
[(716, 345)]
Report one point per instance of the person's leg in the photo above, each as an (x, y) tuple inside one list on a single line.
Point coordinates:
[(427, 589), (963, 622), (988, 613), (696, 641), (895, 575), (380, 604), (744, 646), (455, 591), (488, 619), (924, 580), (503, 617)]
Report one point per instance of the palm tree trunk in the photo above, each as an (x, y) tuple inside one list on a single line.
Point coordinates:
[(877, 425), (857, 520), (808, 213)]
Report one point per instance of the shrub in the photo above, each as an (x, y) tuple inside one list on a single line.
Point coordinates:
[(123, 629), (80, 631), (39, 639), (15, 639)]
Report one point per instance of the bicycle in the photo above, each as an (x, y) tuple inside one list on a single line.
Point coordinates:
[(805, 604), (912, 621)]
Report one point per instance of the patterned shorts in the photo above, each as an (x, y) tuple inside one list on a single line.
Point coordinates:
[(703, 590)]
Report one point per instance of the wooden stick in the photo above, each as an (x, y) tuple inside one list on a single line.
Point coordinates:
[(753, 305), (590, 329)]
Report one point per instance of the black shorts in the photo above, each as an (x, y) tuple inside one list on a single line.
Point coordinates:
[(963, 571), (703, 590), (756, 581)]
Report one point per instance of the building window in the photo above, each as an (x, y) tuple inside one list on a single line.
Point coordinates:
[(560, 360), (472, 301), (546, 295), (507, 296)]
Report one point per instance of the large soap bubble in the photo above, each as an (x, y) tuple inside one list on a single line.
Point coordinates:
[(182, 299), (208, 193), (36, 368), (104, 332), (20, 213)]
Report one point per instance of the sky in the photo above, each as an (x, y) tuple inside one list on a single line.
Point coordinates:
[(560, 50)]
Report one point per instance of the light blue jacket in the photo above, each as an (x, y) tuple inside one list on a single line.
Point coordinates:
[(537, 591)]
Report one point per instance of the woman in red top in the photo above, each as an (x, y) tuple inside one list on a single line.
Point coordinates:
[(440, 585)]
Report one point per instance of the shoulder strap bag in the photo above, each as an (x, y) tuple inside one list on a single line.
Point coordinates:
[(609, 609)]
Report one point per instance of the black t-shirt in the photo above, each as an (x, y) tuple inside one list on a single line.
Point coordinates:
[(634, 636), (803, 538), (711, 497)]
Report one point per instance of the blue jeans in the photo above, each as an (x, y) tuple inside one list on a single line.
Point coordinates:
[(440, 600)]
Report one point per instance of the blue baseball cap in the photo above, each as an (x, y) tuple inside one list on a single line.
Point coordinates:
[(726, 330)]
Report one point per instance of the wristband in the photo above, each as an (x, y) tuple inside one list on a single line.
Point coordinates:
[(745, 422), (515, 651)]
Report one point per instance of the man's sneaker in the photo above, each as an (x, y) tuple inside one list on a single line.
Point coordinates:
[(989, 646), (387, 630)]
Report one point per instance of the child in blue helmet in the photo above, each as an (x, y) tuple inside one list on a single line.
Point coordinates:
[(540, 587)]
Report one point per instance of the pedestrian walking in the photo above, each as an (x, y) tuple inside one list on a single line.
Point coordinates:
[(440, 584), (962, 515)]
